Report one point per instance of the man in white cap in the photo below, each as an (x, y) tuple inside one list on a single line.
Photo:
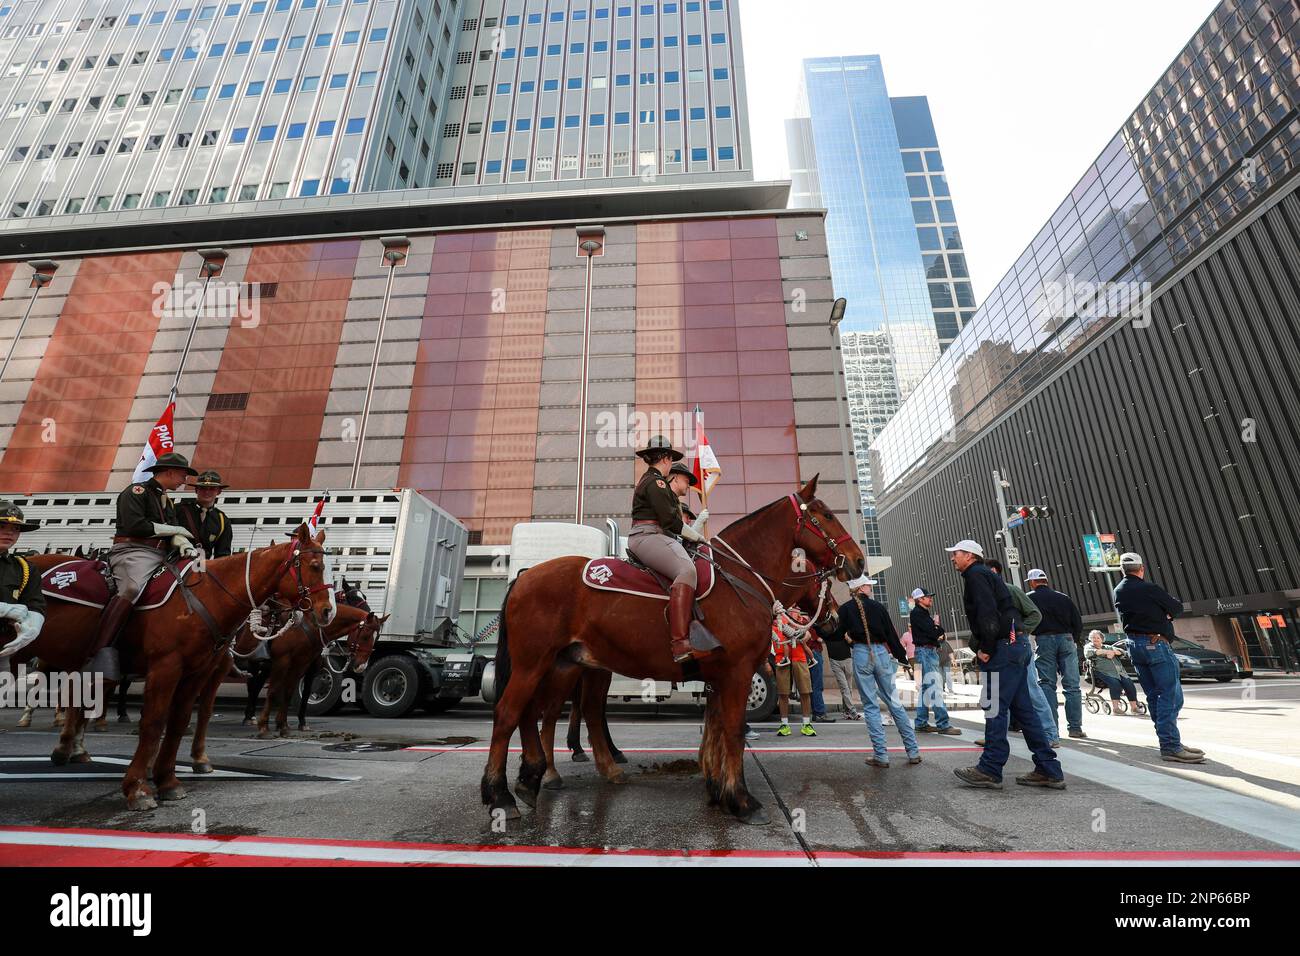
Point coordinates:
[(926, 636), (1057, 636), (1003, 652), (1147, 613), (872, 640)]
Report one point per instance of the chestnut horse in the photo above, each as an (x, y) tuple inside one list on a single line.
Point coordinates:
[(552, 623), (176, 650)]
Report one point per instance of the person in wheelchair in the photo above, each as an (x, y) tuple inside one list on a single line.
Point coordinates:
[(1104, 663)]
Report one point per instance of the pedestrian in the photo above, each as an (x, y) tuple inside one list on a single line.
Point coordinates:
[(1147, 613), (1105, 668), (1030, 618), (791, 659), (817, 674), (1056, 639), (945, 665), (927, 635), (1001, 646), (841, 665), (872, 638)]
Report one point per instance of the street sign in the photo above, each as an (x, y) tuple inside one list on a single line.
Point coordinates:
[(1102, 552), (1013, 557), (1015, 521), (902, 606)]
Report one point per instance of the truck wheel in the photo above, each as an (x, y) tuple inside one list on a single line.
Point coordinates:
[(440, 705), (391, 687), (762, 699), (326, 695)]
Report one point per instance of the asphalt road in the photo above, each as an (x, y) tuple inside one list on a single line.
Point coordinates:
[(361, 789)]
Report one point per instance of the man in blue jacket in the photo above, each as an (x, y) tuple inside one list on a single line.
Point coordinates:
[(1147, 613), (1002, 649), (926, 635), (1058, 634)]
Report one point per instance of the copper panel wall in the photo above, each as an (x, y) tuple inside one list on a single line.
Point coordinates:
[(70, 427)]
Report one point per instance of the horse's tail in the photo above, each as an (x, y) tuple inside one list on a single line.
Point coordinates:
[(503, 646)]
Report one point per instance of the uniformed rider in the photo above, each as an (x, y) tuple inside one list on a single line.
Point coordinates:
[(681, 480), (21, 601), (200, 515), (147, 530), (656, 540)]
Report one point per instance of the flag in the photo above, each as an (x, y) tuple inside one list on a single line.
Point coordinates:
[(314, 520), (162, 439), (706, 468)]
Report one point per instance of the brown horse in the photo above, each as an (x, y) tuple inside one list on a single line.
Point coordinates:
[(175, 649), (560, 624)]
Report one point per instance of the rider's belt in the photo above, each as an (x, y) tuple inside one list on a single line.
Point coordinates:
[(158, 543)]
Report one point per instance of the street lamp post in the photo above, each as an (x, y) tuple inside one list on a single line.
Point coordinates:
[(1009, 541), (42, 273), (214, 260), (396, 250), (591, 240)]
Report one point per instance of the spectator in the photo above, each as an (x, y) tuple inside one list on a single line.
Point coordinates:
[(792, 663), (1002, 648), (927, 635), (1105, 668), (1030, 618), (841, 664), (1056, 636), (945, 664), (872, 638), (1147, 613), (817, 674)]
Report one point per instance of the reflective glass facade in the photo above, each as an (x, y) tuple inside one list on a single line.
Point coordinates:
[(1217, 133)]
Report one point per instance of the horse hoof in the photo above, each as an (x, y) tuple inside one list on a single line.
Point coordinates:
[(83, 757), (526, 795), (304, 728), (202, 767), (555, 782), (579, 756), (757, 818), (506, 811), (58, 758), (123, 718), (263, 734), (246, 722), (175, 793), (617, 777), (142, 801), (24, 722), (620, 757)]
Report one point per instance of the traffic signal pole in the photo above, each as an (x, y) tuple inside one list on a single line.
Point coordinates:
[(1009, 541)]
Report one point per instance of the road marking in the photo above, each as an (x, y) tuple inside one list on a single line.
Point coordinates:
[(795, 749), (54, 774), (117, 848)]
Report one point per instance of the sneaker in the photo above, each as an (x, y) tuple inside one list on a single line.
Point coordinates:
[(807, 730), (1182, 756), (1078, 734), (783, 730), (974, 777), (877, 762), (751, 734), (926, 729), (823, 719), (914, 760), (1038, 779), (948, 731)]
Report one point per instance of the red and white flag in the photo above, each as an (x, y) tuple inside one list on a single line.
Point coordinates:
[(706, 468), (314, 520), (162, 439)]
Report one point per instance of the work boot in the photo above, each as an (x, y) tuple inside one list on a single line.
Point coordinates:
[(681, 600), (1037, 778), (1078, 734), (1195, 750), (974, 777), (1183, 755), (948, 731)]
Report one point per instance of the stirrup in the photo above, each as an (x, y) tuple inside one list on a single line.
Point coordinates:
[(702, 639)]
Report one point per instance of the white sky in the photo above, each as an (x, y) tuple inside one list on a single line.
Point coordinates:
[(1024, 93)]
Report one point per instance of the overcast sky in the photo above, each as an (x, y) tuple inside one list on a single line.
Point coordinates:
[(1024, 93)]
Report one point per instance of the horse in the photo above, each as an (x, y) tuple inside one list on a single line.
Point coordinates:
[(176, 650), (563, 625)]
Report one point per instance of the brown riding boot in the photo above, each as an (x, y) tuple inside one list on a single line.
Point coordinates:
[(681, 600), (103, 657)]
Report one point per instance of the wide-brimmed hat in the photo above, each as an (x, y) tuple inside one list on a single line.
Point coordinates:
[(658, 445), (11, 514), (172, 460), (860, 582), (679, 469), (207, 479)]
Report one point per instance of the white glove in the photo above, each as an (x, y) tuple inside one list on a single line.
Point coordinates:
[(171, 530), (28, 630), (690, 534), (184, 546), (698, 523), (13, 612)]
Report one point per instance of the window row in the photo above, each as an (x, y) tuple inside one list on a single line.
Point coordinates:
[(167, 197), (601, 13), (546, 164), (601, 82), (602, 46), (183, 15)]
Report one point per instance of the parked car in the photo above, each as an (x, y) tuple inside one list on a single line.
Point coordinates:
[(1194, 661)]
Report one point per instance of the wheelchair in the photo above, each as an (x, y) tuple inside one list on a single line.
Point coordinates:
[(1097, 699)]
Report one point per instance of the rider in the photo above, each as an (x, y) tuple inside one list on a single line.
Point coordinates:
[(21, 601), (654, 540), (681, 480), (147, 528), (209, 525)]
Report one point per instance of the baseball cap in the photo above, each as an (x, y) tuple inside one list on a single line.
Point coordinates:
[(1036, 574), (860, 582), (974, 547), (1131, 559), (920, 593)]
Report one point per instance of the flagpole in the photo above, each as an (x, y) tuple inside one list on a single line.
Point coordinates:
[(704, 479)]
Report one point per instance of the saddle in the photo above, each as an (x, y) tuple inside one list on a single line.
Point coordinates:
[(90, 583), (633, 577)]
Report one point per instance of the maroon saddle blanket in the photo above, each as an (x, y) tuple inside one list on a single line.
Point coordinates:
[(615, 574), (82, 581)]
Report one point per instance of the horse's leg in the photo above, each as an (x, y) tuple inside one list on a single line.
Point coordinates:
[(71, 747), (735, 796), (122, 716), (593, 706), (167, 786), (207, 704), (509, 713), (560, 686), (710, 758), (308, 679), (597, 683), (532, 765), (160, 687), (574, 737), (255, 681)]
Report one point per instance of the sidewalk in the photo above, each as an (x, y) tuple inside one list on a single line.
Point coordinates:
[(963, 697)]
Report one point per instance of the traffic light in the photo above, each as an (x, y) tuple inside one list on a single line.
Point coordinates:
[(1034, 511)]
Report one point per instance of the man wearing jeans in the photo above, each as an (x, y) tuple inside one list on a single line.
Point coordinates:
[(1057, 635), (927, 636), (1147, 613), (872, 638), (1002, 650)]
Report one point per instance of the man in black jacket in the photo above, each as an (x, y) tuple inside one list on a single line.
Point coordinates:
[(873, 641), (1057, 636), (926, 635), (1003, 652)]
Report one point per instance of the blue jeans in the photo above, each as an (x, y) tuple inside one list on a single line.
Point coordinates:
[(1006, 675), (931, 689), (1057, 653), (1039, 702), (1117, 684), (874, 669), (815, 672), (1158, 672)]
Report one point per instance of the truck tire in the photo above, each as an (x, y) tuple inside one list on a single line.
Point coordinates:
[(326, 694), (392, 686), (762, 699)]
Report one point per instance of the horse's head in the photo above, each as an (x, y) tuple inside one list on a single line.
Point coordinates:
[(819, 534), (361, 642), (351, 594), (305, 580)]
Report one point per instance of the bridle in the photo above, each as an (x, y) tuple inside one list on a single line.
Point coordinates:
[(292, 561), (807, 519)]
